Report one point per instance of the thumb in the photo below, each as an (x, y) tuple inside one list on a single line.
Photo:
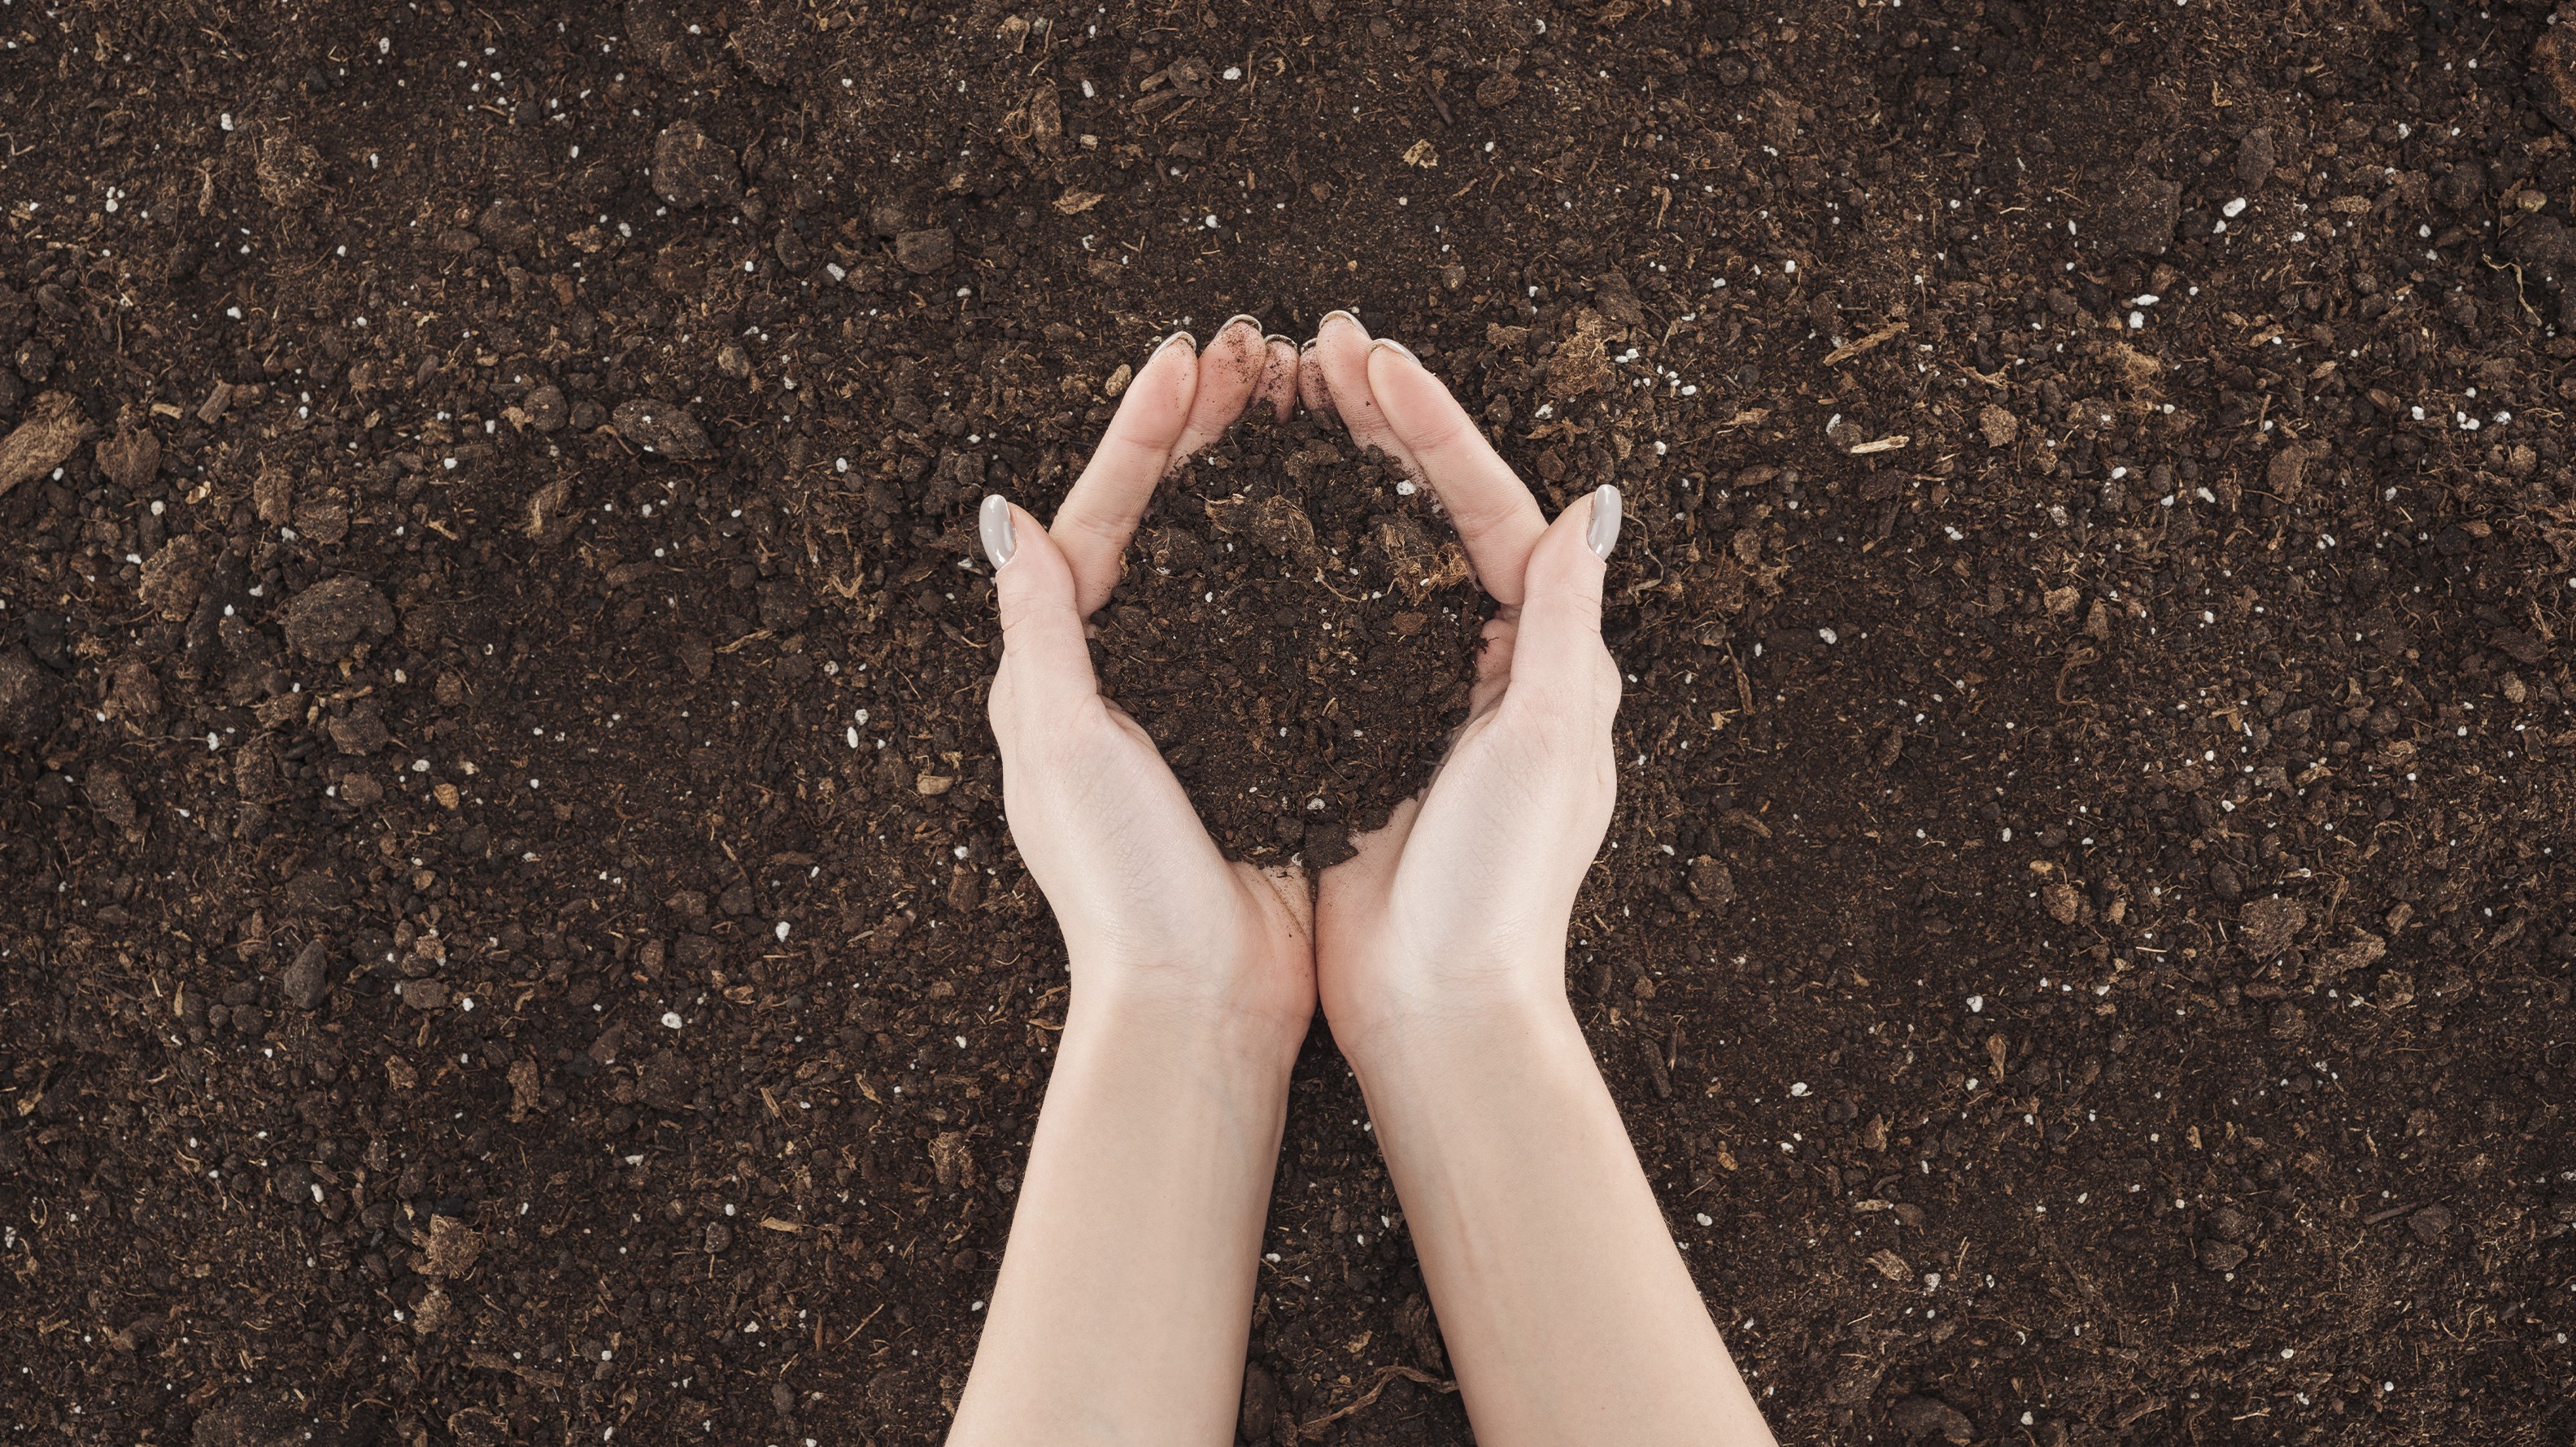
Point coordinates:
[(1559, 652), (1046, 664)]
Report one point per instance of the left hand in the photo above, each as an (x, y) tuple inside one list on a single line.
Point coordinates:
[(1153, 915)]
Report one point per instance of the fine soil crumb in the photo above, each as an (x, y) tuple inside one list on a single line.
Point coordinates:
[(1297, 631), (451, 1247)]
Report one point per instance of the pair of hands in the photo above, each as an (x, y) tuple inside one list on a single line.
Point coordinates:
[(1459, 906)]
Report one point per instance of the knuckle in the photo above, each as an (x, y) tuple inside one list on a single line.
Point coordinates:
[(1442, 433)]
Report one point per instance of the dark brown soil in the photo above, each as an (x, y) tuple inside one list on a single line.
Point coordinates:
[(509, 932), (1297, 634)]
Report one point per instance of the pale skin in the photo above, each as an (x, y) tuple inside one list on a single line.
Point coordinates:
[(1123, 1306)]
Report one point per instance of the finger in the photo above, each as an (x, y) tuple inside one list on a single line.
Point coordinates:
[(1046, 665), (1497, 519), (1100, 513), (1229, 371), (1312, 394), (1558, 653), (1278, 385), (1341, 352)]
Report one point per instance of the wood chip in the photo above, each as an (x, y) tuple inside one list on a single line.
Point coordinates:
[(53, 427), (1849, 350), (494, 1362)]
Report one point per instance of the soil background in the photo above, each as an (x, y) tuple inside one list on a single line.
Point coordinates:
[(508, 930)]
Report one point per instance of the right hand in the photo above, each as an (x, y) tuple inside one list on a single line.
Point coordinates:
[(1459, 907)]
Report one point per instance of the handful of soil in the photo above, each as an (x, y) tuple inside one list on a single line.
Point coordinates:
[(1297, 631)]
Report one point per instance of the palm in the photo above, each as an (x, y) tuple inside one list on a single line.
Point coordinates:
[(1148, 906), (1107, 830), (1467, 889), (1460, 863)]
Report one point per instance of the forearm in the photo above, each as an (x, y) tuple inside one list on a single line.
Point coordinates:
[(1562, 1298), (1126, 1291)]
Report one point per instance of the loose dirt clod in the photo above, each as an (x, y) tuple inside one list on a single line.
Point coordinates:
[(689, 170), (324, 621), (52, 428), (452, 1248)]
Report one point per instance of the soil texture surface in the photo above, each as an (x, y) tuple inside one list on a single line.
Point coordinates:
[(1297, 635), (508, 930)]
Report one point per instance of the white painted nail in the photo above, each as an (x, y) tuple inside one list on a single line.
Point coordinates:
[(993, 522), (1603, 534)]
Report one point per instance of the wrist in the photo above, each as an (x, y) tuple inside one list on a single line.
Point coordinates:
[(1393, 1031), (1125, 1010), (1438, 1085)]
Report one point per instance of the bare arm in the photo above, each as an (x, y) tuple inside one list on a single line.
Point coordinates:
[(1124, 1297), (1440, 956), (1563, 1300)]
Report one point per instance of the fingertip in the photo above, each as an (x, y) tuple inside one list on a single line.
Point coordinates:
[(1558, 650), (1279, 376), (1314, 393), (1174, 358), (1342, 354), (1029, 554), (1337, 318), (1036, 585), (1570, 555), (1397, 379), (1230, 372), (995, 527), (1043, 669), (1238, 340), (1384, 362), (1156, 405), (1601, 531)]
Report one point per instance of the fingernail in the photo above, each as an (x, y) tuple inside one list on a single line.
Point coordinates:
[(993, 522), (1392, 345), (1603, 534), (1338, 312), (1176, 338), (1242, 319)]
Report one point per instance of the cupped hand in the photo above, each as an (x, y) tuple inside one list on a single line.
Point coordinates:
[(1459, 906), (1153, 915)]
